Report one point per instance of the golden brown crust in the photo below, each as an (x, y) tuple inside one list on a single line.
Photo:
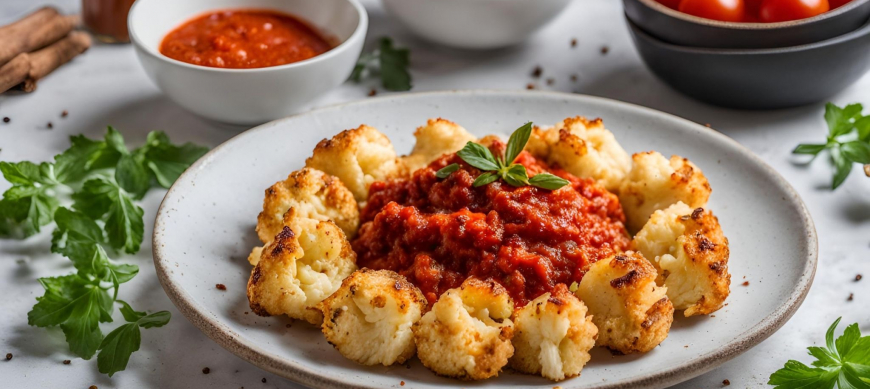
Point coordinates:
[(358, 157), (436, 138), (655, 183), (553, 335), (467, 334), (369, 318), (314, 195), (631, 312), (322, 257)]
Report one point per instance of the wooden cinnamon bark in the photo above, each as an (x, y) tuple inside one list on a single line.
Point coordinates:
[(34, 31), (14, 72), (44, 61)]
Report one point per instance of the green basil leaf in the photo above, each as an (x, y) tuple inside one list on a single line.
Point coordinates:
[(548, 181), (485, 179), (478, 156), (811, 149), (839, 120), (517, 143), (856, 151), (863, 126), (394, 66), (515, 175), (447, 170), (129, 313)]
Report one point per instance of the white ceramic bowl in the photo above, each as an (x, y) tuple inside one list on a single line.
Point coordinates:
[(475, 24), (248, 96)]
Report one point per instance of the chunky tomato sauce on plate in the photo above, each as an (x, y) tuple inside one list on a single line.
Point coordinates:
[(438, 232), (243, 39)]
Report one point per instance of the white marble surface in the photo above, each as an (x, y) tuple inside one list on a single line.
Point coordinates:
[(107, 87)]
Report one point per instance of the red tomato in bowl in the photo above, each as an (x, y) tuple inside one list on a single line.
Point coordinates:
[(838, 3), (722, 10), (773, 11)]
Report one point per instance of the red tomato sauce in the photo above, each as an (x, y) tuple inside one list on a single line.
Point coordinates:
[(243, 39), (438, 232)]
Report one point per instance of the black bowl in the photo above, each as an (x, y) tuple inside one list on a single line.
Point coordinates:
[(759, 78), (686, 30)]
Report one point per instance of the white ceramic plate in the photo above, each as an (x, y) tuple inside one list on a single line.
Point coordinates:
[(205, 230)]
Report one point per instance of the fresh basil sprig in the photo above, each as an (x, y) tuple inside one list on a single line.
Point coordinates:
[(389, 62), (502, 167), (844, 362), (848, 140)]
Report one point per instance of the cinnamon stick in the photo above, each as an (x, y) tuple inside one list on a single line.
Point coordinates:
[(34, 31), (44, 61), (14, 72)]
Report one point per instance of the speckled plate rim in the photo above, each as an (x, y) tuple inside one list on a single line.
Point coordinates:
[(229, 339)]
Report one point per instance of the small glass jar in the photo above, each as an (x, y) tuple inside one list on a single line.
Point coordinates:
[(107, 19)]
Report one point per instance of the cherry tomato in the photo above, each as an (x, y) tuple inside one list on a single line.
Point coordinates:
[(784, 10), (838, 3), (670, 3), (723, 10)]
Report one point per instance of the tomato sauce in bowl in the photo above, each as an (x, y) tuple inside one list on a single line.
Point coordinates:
[(244, 39), (438, 232)]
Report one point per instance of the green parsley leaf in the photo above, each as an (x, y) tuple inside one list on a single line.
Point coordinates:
[(77, 306), (116, 348), (812, 149), (517, 143), (478, 156), (101, 198), (115, 141), (842, 168), (856, 151), (394, 66), (131, 175), (485, 179), (844, 362), (515, 175), (29, 207), (548, 181), (76, 162), (447, 170), (840, 120), (76, 237), (21, 173), (167, 161), (863, 126)]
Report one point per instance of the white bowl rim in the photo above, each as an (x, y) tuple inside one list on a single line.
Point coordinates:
[(358, 33), (251, 352)]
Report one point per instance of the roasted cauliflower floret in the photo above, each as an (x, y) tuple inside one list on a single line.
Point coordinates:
[(467, 334), (436, 138), (632, 313), (553, 336), (691, 254), (655, 183), (369, 318), (358, 157), (583, 148), (314, 195), (303, 265)]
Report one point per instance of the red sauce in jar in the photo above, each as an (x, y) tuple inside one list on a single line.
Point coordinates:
[(243, 39), (438, 232)]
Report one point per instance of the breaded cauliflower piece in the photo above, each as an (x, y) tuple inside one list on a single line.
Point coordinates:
[(691, 254), (553, 336), (467, 334), (655, 183), (369, 318), (436, 138), (314, 195), (583, 148), (358, 157), (632, 313), (303, 265)]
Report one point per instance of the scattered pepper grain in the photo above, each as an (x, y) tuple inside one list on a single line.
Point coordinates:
[(550, 81), (220, 286), (66, 361), (373, 92), (573, 42), (264, 380), (401, 383), (49, 125), (858, 277), (726, 382), (745, 283), (64, 114), (6, 119), (574, 78), (537, 71), (530, 86), (604, 50), (851, 297), (8, 356), (206, 370)]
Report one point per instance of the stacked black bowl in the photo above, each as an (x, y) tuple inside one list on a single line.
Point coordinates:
[(753, 65)]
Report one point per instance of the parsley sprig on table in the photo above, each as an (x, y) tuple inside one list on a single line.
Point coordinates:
[(101, 180), (503, 167), (848, 140), (844, 362), (391, 63)]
